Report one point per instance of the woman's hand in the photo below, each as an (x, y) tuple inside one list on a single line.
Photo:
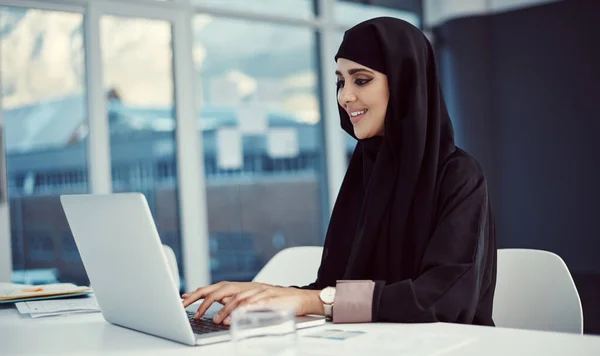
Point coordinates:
[(301, 301), (220, 292)]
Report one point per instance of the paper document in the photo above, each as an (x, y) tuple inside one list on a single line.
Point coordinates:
[(17, 292), (334, 334), (43, 315), (58, 307)]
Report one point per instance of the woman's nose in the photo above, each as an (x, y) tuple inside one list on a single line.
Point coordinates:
[(347, 96)]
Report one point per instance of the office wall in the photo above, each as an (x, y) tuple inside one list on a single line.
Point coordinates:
[(522, 88)]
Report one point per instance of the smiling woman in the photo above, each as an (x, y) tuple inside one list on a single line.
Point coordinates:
[(411, 237)]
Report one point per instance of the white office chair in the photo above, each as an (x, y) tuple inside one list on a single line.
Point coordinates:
[(172, 262), (294, 266), (534, 290)]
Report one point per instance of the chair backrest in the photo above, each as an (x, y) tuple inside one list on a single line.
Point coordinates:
[(535, 290), (172, 261), (294, 266)]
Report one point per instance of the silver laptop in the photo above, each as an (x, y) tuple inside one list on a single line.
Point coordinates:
[(123, 257)]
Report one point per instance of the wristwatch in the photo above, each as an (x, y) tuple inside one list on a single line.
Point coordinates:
[(327, 297)]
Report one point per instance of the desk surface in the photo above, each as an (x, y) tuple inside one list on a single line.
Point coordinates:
[(90, 334)]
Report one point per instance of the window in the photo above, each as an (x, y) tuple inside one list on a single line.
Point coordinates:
[(138, 79), (44, 110), (261, 128)]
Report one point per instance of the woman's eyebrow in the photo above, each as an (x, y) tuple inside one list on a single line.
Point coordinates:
[(357, 70), (354, 71)]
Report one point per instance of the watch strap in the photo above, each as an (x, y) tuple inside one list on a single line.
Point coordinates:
[(328, 308)]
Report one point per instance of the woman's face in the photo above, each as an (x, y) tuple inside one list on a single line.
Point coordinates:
[(364, 94)]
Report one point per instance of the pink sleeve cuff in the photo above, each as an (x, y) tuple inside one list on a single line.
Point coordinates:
[(353, 302)]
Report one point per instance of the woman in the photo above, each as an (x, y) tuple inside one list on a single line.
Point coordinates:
[(411, 237)]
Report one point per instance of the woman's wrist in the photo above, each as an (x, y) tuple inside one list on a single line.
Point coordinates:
[(312, 303)]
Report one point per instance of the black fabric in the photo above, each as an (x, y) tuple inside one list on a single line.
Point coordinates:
[(368, 53), (413, 212)]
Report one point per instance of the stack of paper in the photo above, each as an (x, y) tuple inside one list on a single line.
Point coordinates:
[(11, 293), (41, 308)]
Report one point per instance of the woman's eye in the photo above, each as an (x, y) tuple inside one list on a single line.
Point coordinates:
[(339, 84), (361, 82)]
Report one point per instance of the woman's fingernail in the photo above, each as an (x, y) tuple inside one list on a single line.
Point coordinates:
[(217, 318), (227, 320)]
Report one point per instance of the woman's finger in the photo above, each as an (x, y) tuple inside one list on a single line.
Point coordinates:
[(192, 297), (234, 302), (216, 296)]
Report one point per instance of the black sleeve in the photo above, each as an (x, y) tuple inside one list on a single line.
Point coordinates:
[(451, 272), (312, 286)]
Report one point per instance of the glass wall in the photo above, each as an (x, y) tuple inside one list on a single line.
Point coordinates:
[(138, 78), (44, 110), (260, 122)]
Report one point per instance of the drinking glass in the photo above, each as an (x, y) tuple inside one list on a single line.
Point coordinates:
[(259, 330)]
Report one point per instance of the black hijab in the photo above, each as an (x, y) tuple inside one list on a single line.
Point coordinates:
[(412, 212)]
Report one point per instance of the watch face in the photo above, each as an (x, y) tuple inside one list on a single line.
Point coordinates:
[(328, 295)]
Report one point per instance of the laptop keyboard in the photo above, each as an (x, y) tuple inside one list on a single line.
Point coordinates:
[(205, 325)]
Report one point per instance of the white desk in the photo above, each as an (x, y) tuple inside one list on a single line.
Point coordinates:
[(91, 335)]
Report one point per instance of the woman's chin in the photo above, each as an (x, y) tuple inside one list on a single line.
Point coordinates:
[(361, 135)]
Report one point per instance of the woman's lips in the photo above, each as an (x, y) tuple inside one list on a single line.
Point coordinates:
[(356, 119)]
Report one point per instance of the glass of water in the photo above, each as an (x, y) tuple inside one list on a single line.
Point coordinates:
[(259, 330)]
